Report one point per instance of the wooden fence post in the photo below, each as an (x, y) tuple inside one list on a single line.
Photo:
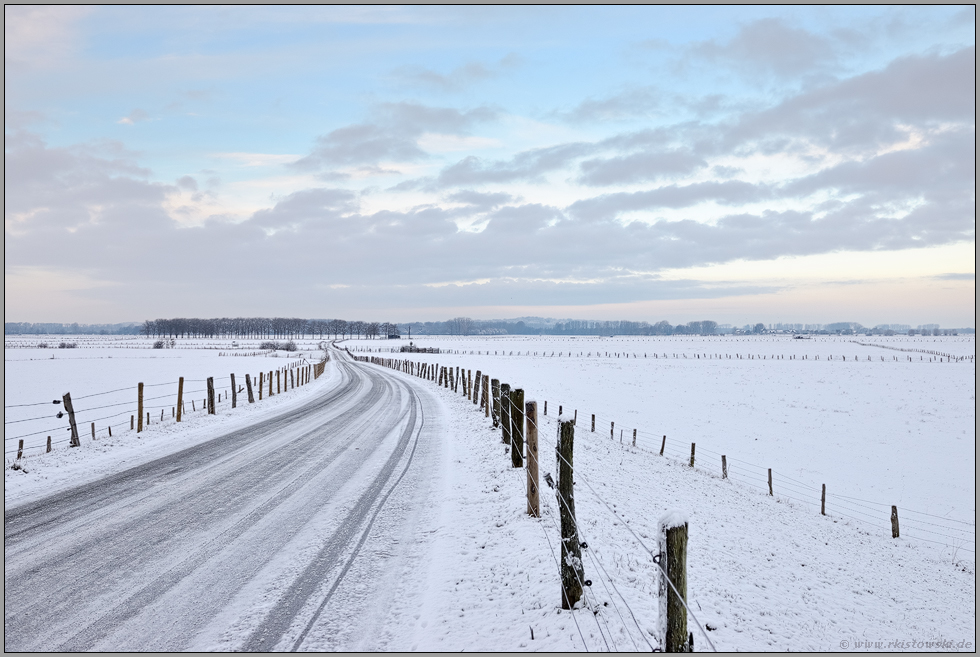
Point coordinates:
[(663, 444), (211, 395), (692, 455), (593, 423), (673, 566), (486, 395), (270, 383), (93, 431), (180, 397), (139, 409), (823, 499), (130, 422), (533, 499), (234, 392), (505, 412), (634, 437), (495, 402), (75, 440), (261, 384), (724, 467), (248, 387), (612, 430), (517, 428), (575, 418), (770, 482), (895, 532), (572, 572), (476, 390), (20, 448), (278, 390), (49, 443)]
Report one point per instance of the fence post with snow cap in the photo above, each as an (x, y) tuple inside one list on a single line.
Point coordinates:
[(533, 494), (673, 583), (517, 427), (572, 572)]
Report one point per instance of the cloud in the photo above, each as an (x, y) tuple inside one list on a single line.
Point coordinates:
[(40, 37), (628, 104), (528, 165), (134, 117), (639, 167), (392, 136), (457, 79), (611, 206), (868, 110), (771, 46)]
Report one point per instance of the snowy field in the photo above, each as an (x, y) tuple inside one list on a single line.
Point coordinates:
[(880, 425), (765, 573), (102, 374)]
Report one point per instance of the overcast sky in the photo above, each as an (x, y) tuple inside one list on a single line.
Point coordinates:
[(743, 164)]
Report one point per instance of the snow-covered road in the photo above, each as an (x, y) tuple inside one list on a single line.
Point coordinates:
[(270, 537)]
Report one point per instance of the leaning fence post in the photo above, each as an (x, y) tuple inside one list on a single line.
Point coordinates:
[(517, 427), (505, 412), (673, 582), (479, 384), (894, 522), (211, 395), (572, 572), (139, 409), (663, 444), (75, 440), (533, 499), (248, 386)]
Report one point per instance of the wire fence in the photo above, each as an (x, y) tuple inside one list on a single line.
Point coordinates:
[(88, 416)]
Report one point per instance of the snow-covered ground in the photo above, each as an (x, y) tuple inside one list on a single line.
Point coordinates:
[(766, 573), (877, 427)]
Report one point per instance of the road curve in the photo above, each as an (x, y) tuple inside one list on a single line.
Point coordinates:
[(239, 543)]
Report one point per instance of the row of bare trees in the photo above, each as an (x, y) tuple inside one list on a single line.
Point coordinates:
[(266, 327)]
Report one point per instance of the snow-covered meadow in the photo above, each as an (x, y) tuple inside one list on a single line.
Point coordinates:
[(765, 573), (879, 420)]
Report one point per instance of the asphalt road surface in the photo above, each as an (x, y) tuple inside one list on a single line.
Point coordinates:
[(292, 534)]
